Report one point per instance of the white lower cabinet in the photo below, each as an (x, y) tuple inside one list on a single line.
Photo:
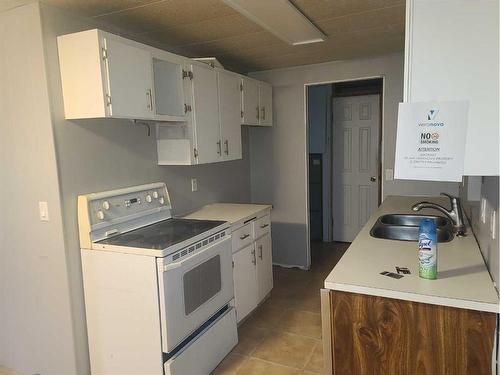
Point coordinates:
[(263, 250), (245, 281), (252, 265)]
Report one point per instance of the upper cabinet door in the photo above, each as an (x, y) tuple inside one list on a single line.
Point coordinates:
[(266, 104), (250, 102), (206, 114), (168, 89), (460, 64), (229, 112), (129, 80)]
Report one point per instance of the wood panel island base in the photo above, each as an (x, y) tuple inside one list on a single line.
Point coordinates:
[(364, 334)]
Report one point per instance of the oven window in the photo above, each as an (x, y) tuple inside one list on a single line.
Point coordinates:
[(201, 283)]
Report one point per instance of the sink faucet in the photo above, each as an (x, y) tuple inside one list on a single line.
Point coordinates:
[(455, 214)]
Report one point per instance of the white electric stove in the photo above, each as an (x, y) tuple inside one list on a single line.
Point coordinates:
[(158, 290)]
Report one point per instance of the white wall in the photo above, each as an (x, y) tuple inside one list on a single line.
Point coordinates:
[(36, 333), (319, 111), (45, 157), (489, 190), (278, 155)]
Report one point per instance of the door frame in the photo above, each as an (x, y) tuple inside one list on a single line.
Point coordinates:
[(306, 154)]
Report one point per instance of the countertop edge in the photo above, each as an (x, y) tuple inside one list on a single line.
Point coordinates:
[(413, 297), (253, 210)]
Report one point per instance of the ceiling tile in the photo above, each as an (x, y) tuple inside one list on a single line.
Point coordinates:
[(167, 14), (96, 7), (207, 30), (195, 28)]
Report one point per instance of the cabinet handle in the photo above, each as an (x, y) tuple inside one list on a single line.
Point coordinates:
[(149, 96), (219, 150), (263, 113), (264, 226), (254, 260), (226, 146), (257, 108), (243, 236), (260, 252)]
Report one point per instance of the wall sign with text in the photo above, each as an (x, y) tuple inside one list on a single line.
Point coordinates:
[(430, 143)]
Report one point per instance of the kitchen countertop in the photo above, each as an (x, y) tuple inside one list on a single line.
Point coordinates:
[(235, 213), (463, 279)]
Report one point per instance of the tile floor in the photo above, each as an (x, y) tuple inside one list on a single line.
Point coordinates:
[(283, 335)]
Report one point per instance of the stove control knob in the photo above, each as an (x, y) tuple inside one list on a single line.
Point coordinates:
[(148, 198), (162, 200), (155, 194), (100, 215), (106, 205)]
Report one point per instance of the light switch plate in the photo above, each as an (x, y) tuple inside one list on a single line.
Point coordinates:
[(194, 184), (389, 174), (43, 209)]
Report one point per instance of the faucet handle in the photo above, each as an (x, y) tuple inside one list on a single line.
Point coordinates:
[(451, 197)]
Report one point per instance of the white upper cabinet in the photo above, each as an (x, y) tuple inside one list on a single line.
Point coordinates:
[(265, 104), (198, 109), (452, 51), (105, 76), (129, 86), (205, 115), (250, 102), (229, 114), (169, 97), (256, 103)]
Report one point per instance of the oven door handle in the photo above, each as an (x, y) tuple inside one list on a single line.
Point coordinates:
[(175, 265)]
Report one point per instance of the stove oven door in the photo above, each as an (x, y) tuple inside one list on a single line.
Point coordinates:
[(193, 288)]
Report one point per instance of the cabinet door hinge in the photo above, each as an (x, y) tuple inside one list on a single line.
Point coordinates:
[(233, 263), (241, 114), (241, 86), (108, 100), (187, 74), (195, 152), (104, 53), (187, 108)]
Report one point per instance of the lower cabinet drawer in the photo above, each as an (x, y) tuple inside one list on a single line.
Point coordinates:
[(242, 237), (262, 226)]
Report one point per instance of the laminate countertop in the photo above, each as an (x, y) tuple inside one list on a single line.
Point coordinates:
[(235, 213), (463, 279)]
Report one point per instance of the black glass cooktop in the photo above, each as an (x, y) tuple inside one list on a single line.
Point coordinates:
[(163, 234)]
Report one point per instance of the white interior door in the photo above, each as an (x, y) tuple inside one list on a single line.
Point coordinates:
[(355, 185), (130, 80), (229, 113), (206, 114)]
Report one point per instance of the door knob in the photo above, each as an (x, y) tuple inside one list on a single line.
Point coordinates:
[(373, 179)]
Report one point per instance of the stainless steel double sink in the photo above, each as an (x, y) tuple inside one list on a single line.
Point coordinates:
[(405, 227)]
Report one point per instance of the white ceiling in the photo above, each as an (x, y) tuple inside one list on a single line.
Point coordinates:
[(196, 28)]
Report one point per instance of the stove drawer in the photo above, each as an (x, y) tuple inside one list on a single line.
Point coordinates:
[(207, 349), (242, 237)]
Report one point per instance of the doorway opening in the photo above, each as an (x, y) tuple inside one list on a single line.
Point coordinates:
[(344, 127)]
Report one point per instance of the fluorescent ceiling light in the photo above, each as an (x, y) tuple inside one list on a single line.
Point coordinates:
[(281, 18)]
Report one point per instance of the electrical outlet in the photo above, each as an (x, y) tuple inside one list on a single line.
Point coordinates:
[(493, 224), (482, 212), (194, 184)]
